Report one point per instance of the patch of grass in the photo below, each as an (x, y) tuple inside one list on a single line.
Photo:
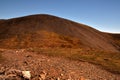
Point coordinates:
[(108, 61)]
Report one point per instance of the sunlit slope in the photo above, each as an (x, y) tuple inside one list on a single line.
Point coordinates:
[(50, 31)]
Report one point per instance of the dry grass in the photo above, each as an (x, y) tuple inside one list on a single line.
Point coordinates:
[(40, 39), (108, 61)]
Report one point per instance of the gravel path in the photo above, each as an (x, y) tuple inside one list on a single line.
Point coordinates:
[(54, 68)]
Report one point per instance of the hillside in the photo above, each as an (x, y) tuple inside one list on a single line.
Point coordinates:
[(116, 38), (50, 31), (53, 48)]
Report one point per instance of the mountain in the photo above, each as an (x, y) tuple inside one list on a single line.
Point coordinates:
[(116, 38), (1, 21), (45, 30)]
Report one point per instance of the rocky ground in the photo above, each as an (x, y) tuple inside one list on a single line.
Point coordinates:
[(44, 67)]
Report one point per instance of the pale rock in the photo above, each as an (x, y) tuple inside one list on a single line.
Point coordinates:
[(26, 74), (61, 74)]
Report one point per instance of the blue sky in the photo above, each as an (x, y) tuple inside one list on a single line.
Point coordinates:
[(103, 15)]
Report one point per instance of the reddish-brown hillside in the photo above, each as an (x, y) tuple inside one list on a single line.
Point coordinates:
[(116, 38), (51, 31)]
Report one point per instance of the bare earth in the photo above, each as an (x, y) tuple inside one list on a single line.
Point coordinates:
[(54, 68)]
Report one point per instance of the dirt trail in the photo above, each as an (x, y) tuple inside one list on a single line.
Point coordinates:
[(54, 68)]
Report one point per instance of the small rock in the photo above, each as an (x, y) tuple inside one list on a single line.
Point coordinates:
[(26, 74), (82, 78), (28, 56), (61, 74), (16, 51), (42, 75), (2, 70), (58, 78), (25, 62)]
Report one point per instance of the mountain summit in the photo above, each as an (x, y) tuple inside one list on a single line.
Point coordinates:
[(50, 31)]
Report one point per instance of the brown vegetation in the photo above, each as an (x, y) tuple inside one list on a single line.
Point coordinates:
[(108, 61), (50, 31)]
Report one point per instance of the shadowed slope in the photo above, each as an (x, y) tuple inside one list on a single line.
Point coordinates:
[(50, 31), (116, 38)]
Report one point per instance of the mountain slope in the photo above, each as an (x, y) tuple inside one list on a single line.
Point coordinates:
[(116, 38), (51, 31)]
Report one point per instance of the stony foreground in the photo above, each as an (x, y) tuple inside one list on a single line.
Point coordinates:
[(42, 67)]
